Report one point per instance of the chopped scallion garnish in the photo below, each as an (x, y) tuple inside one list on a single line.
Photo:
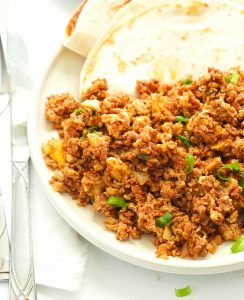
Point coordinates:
[(242, 185), (165, 219), (117, 201), (143, 156), (184, 140), (228, 79), (84, 135), (183, 292), (190, 162), (181, 119), (232, 79), (92, 129), (233, 167), (186, 81), (79, 111), (224, 178), (238, 246)]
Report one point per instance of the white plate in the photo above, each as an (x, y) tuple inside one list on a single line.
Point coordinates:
[(63, 76)]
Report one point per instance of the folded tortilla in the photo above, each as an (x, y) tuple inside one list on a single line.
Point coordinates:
[(166, 40), (89, 21)]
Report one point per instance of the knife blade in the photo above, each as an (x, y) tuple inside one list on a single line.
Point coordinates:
[(5, 175), (21, 280)]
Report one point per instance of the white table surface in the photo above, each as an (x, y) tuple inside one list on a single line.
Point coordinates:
[(41, 22)]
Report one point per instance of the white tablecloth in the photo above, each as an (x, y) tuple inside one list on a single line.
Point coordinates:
[(41, 22)]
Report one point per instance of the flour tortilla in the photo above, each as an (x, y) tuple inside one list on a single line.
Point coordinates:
[(88, 22), (166, 40)]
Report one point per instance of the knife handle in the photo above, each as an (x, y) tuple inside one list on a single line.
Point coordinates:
[(4, 242), (21, 281)]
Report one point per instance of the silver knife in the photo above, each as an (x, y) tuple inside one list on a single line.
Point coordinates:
[(4, 159), (21, 280)]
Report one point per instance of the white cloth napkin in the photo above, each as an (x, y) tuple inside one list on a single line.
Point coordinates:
[(60, 254)]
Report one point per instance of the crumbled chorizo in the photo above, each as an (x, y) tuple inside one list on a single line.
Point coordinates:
[(136, 148)]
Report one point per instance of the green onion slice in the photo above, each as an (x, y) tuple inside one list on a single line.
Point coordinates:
[(143, 156), (242, 185), (79, 111), (190, 162), (164, 220), (238, 246), (233, 167), (183, 292), (84, 135), (181, 119), (92, 129), (218, 173), (184, 140), (117, 201), (186, 81), (232, 79)]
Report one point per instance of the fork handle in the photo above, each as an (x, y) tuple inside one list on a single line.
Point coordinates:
[(21, 281)]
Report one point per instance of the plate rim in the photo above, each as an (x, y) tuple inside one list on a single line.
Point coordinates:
[(200, 267)]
